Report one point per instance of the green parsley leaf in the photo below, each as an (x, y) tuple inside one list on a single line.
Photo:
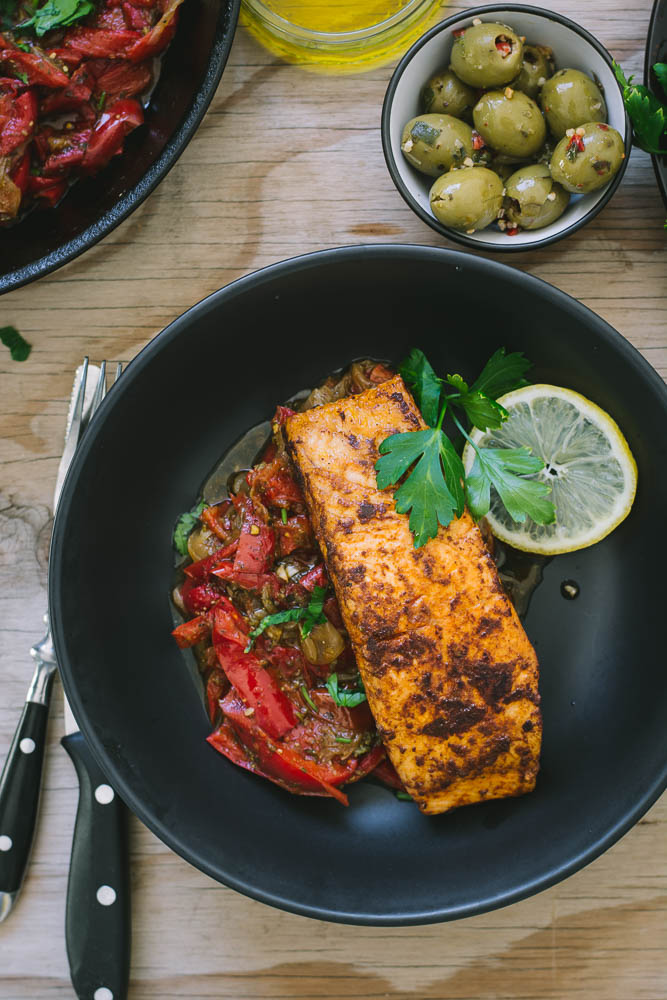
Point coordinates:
[(283, 515), (660, 70), (424, 384), (646, 111), (403, 796), (503, 468), (57, 14), (18, 347), (482, 411), (102, 101), (184, 526), (309, 617), (343, 739), (23, 77), (502, 373), (425, 132), (344, 697), (430, 498)]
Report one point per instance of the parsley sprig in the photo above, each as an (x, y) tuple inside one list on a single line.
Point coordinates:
[(308, 617), (435, 487), (647, 113), (344, 696), (56, 14), (184, 526), (19, 348)]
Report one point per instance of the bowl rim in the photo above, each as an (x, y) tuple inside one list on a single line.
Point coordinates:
[(193, 854), (430, 220), (156, 172)]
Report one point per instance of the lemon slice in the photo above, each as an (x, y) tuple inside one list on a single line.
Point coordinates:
[(588, 464)]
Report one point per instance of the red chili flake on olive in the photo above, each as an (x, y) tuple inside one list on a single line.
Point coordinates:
[(514, 231), (477, 141), (605, 128), (459, 32)]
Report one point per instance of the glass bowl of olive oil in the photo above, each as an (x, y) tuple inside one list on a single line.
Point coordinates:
[(339, 36)]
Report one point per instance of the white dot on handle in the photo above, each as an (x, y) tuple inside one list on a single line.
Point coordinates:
[(26, 745), (104, 794), (6, 843), (106, 895), (102, 994)]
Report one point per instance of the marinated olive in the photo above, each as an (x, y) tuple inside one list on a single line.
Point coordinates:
[(435, 143), (589, 158), (570, 98), (532, 199), (487, 55), (446, 94), (537, 65), (467, 198), (510, 122)]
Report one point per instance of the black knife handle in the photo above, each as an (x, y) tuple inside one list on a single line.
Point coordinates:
[(98, 920), (20, 786)]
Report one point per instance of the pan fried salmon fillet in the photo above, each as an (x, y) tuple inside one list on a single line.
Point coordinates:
[(450, 674)]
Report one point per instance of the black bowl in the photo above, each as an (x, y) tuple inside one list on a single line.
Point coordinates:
[(191, 70), (221, 368)]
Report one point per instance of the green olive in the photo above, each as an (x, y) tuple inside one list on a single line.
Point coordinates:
[(487, 55), (532, 199), (510, 122), (583, 170), (570, 98), (467, 198), (446, 94), (537, 65), (435, 143)]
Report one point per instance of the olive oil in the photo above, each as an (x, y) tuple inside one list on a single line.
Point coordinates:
[(339, 35)]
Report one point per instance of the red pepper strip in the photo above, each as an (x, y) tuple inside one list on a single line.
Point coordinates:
[(281, 415), (201, 569), (100, 43), (379, 373), (315, 577), (158, 37), (198, 597), (215, 518), (47, 188), (34, 65), (295, 533), (228, 624), (280, 489), (282, 762), (192, 632), (123, 79), (21, 172), (66, 55), (274, 711), (76, 93), (249, 581), (70, 148), (256, 546), (21, 126), (138, 18), (113, 19), (109, 133), (386, 773), (368, 763), (216, 686)]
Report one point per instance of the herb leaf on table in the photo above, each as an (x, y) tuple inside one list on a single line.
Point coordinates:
[(19, 348), (647, 113)]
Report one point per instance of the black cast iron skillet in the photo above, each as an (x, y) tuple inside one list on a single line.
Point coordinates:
[(190, 73), (221, 368)]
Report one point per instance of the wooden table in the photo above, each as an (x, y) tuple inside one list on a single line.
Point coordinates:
[(287, 162)]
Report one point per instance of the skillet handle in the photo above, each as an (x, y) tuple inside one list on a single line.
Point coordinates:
[(98, 918)]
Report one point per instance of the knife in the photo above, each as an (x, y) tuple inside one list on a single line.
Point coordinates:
[(98, 918), (21, 780)]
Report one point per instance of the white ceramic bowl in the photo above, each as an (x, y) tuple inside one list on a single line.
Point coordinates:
[(573, 47)]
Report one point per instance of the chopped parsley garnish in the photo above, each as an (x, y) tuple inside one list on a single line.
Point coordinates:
[(647, 112), (342, 696), (425, 132), (403, 796), (57, 14), (343, 739), (184, 526), (308, 617), (19, 348), (102, 100), (283, 515), (306, 697), (434, 487)]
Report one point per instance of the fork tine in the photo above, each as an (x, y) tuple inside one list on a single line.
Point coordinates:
[(100, 389), (119, 371), (73, 431)]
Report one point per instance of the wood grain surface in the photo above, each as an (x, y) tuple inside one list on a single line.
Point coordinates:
[(286, 162)]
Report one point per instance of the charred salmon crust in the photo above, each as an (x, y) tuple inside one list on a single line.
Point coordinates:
[(450, 674)]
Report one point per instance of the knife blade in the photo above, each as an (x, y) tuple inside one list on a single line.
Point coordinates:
[(21, 780), (98, 915)]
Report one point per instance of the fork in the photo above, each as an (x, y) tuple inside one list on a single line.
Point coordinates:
[(21, 780)]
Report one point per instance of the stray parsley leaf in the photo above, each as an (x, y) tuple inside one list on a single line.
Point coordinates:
[(423, 383), (502, 373), (403, 796), (646, 111), (19, 348), (503, 468), (430, 498), (343, 697), (660, 70), (309, 617), (57, 14), (184, 526)]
